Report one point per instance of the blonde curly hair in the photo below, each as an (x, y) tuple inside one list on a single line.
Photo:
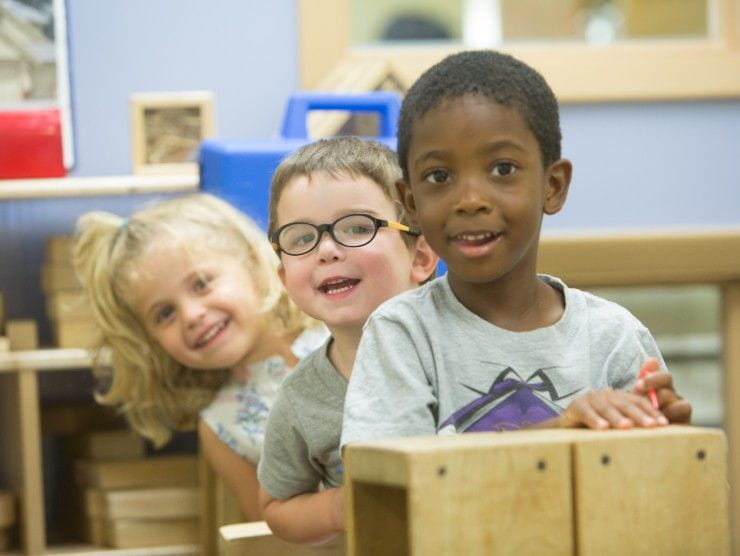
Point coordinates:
[(156, 393)]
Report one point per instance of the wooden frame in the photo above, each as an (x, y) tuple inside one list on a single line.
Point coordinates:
[(166, 129), (629, 71)]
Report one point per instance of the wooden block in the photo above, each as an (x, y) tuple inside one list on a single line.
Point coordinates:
[(76, 418), (142, 503), (59, 248), (107, 445), (68, 304), (59, 276), (94, 530), (4, 344), (464, 494), (647, 491), (256, 539), (23, 334), (7, 509), (5, 538), (146, 472), (626, 492), (135, 533), (75, 333)]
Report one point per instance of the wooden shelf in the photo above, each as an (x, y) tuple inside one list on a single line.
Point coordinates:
[(89, 550), (86, 550), (98, 185), (45, 360)]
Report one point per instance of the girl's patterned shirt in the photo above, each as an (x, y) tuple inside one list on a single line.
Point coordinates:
[(239, 410)]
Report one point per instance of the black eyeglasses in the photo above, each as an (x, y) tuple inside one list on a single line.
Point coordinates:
[(353, 230)]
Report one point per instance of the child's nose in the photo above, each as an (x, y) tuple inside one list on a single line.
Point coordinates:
[(474, 197), (193, 311), (329, 250)]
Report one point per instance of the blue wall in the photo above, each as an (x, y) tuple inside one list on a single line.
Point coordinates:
[(245, 51), (651, 165)]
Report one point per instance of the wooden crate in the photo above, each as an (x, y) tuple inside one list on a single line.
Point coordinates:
[(22, 334), (143, 503), (464, 494), (107, 445), (157, 471), (546, 492)]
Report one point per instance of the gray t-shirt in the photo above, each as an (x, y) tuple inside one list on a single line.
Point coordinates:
[(426, 364), (301, 449)]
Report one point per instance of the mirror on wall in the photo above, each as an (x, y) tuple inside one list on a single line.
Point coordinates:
[(492, 22), (34, 72)]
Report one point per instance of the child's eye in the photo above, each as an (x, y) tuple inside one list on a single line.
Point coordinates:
[(437, 176), (304, 239), (163, 314), (503, 169), (201, 283)]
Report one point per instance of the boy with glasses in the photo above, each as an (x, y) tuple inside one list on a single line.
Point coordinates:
[(344, 246)]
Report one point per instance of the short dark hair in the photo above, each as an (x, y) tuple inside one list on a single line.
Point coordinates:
[(501, 78)]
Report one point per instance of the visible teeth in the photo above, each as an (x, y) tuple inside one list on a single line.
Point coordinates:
[(211, 333), (333, 291), (475, 237), (340, 285)]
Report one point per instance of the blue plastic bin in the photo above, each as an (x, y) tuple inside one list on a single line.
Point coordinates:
[(239, 171)]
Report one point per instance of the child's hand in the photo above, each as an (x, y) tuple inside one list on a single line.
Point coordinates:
[(671, 404), (604, 409)]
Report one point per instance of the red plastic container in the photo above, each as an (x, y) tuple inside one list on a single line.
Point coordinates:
[(31, 144)]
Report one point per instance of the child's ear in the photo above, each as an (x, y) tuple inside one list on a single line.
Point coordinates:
[(407, 197), (557, 182), (424, 262)]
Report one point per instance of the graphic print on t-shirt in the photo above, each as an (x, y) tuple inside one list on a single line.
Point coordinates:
[(510, 404)]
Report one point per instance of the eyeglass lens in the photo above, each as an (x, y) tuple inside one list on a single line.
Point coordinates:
[(353, 230)]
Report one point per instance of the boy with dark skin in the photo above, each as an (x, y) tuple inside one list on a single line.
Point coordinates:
[(493, 345)]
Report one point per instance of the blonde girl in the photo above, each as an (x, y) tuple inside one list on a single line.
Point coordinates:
[(200, 329)]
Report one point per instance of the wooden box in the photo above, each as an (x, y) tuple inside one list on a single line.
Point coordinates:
[(659, 491), (160, 471), (465, 494)]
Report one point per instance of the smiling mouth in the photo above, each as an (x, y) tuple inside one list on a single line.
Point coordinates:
[(475, 238), (210, 334), (334, 287)]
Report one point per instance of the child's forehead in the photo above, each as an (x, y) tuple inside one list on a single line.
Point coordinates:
[(329, 183), (468, 115), (449, 107), (325, 195)]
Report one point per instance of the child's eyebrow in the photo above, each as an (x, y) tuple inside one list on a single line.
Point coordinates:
[(336, 216), (503, 144), (440, 154)]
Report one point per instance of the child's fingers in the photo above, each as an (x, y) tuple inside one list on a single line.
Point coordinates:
[(606, 404), (641, 412), (678, 411), (580, 413), (622, 410), (650, 366), (658, 381)]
